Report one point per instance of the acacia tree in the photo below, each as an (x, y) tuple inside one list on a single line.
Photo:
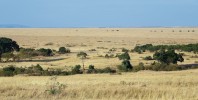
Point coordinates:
[(7, 46), (82, 56)]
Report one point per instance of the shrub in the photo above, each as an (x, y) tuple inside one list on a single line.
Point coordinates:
[(148, 58), (19, 70), (63, 50), (109, 56), (27, 53), (34, 70), (139, 67), (8, 71), (163, 67), (125, 50), (106, 56), (54, 87), (105, 70), (8, 56), (45, 52), (112, 50), (108, 70), (125, 66), (91, 69), (76, 70), (124, 56)]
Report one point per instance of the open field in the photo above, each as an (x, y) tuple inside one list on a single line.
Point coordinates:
[(143, 85), (101, 39)]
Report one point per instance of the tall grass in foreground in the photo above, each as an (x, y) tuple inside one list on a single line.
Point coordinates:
[(146, 85)]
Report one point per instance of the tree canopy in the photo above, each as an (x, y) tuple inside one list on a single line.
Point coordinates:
[(7, 45), (168, 57), (124, 56)]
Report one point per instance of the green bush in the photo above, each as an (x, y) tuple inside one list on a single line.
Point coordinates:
[(125, 66), (124, 56), (139, 67), (148, 58), (8, 71), (63, 50), (34, 70), (28, 53), (91, 69), (19, 70), (76, 70), (125, 50), (108, 70), (45, 52), (151, 48), (105, 70), (163, 67)]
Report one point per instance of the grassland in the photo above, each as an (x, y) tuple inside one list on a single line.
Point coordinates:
[(84, 39), (145, 85)]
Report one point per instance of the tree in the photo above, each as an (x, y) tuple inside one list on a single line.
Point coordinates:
[(126, 65), (7, 46), (124, 56), (83, 56), (168, 57)]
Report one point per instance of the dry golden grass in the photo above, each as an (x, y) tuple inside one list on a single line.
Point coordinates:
[(84, 39), (145, 85)]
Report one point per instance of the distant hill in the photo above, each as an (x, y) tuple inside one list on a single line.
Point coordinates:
[(13, 26)]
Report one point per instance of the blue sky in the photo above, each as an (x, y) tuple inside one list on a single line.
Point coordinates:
[(99, 13)]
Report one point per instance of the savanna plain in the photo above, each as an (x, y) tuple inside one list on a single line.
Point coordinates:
[(97, 42)]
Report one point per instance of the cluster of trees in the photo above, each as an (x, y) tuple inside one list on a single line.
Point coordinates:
[(167, 61), (152, 48), (9, 49), (27, 53), (37, 70), (168, 57)]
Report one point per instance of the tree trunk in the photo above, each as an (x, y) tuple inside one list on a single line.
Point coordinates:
[(83, 65), (0, 56)]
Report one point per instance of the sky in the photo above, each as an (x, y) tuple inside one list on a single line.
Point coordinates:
[(99, 13)]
